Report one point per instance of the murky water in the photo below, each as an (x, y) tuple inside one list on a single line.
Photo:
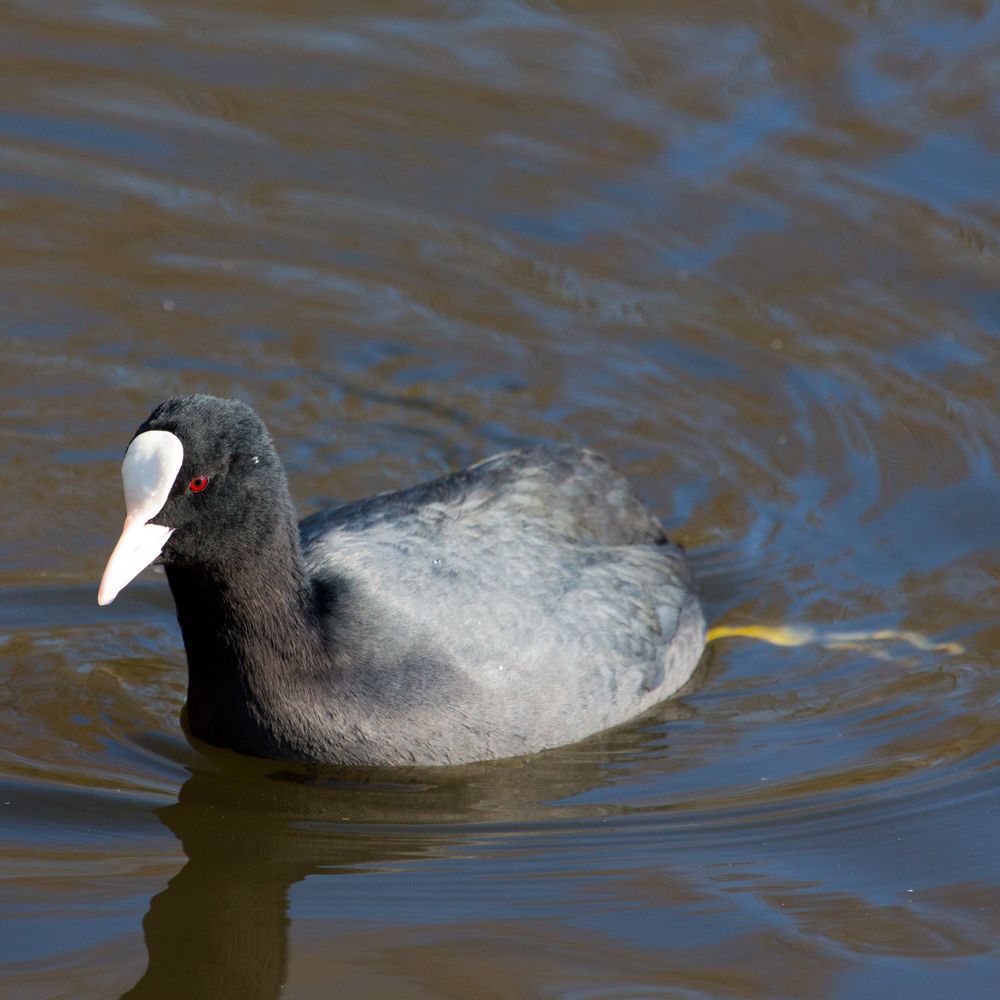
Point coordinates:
[(751, 251)]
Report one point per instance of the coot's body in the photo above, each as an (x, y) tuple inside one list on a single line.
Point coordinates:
[(522, 603)]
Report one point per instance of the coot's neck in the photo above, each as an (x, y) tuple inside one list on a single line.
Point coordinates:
[(254, 645)]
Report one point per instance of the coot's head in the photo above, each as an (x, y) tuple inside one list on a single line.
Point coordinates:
[(203, 486)]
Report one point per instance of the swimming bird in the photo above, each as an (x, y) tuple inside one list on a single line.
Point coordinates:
[(521, 603)]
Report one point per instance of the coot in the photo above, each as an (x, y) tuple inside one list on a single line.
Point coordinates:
[(521, 603)]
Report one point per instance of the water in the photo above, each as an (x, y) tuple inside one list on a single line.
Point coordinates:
[(750, 251)]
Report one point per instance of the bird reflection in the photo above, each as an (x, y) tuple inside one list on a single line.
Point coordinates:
[(251, 829)]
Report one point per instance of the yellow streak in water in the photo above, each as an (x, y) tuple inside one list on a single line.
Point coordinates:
[(799, 635)]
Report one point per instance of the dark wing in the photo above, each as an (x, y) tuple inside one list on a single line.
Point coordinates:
[(569, 492)]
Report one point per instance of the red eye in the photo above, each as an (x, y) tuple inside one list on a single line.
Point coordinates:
[(198, 484)]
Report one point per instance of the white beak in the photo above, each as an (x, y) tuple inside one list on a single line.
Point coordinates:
[(149, 469)]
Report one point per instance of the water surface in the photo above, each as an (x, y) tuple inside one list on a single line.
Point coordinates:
[(749, 251)]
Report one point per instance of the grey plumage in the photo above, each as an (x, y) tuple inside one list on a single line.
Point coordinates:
[(522, 603)]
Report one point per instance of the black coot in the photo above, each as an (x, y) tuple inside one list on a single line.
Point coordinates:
[(521, 603)]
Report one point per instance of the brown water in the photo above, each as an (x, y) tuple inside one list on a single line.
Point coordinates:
[(749, 250)]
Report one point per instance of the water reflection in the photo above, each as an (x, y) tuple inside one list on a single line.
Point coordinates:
[(250, 831)]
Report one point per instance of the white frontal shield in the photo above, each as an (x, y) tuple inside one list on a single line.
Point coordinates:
[(149, 469)]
